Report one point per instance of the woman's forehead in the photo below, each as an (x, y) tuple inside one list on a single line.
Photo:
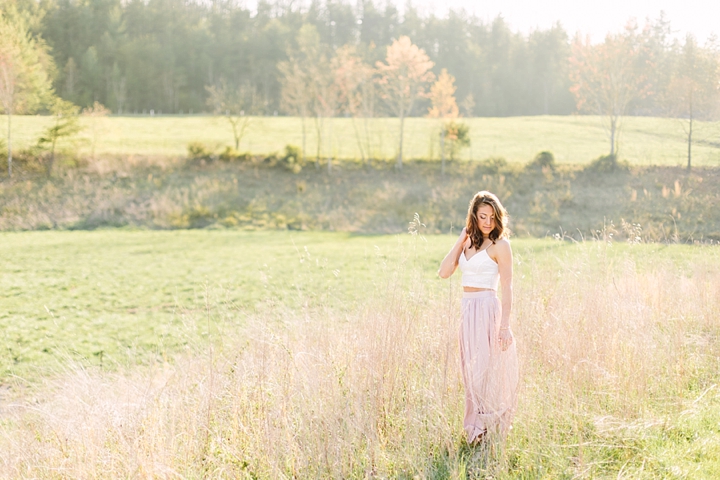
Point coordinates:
[(485, 208)]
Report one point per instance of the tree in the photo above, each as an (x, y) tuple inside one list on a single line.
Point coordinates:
[(403, 79), (65, 125), (308, 83), (327, 100), (457, 136), (607, 77), (353, 78), (95, 114), (24, 65), (444, 106), (549, 51), (693, 92), (235, 104), (296, 93)]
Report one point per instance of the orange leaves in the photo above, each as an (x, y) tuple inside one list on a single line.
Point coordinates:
[(404, 75), (442, 96)]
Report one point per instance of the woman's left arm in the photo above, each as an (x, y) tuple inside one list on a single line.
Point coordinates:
[(505, 268)]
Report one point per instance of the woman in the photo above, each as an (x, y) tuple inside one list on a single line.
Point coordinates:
[(487, 347)]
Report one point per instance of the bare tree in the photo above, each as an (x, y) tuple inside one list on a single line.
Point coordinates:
[(403, 79), (296, 94), (694, 89), (327, 107), (95, 114), (235, 104), (307, 82), (607, 77)]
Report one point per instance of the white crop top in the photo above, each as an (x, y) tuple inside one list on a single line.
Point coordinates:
[(480, 271)]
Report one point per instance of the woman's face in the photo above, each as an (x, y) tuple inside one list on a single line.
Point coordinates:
[(486, 219)]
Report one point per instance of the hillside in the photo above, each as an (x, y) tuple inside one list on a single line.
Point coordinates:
[(668, 203)]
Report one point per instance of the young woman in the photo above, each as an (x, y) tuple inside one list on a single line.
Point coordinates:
[(487, 347)]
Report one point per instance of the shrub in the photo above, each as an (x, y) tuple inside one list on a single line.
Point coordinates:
[(491, 166), (198, 151), (457, 137), (607, 164), (542, 160), (292, 160), (230, 154), (25, 161)]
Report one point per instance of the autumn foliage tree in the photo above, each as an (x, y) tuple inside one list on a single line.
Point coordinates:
[(608, 76), (444, 106), (24, 64), (403, 79), (354, 80)]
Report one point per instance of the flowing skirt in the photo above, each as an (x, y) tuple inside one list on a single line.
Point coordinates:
[(490, 375)]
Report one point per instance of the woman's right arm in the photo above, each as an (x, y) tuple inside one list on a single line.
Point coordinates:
[(450, 262)]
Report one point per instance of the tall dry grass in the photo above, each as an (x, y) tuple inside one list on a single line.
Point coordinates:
[(609, 349)]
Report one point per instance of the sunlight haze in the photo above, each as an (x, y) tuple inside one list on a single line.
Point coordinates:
[(596, 19), (593, 18)]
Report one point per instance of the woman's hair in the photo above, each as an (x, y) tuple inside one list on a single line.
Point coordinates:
[(501, 216)]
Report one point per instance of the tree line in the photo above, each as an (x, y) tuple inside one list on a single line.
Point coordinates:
[(337, 58), (140, 55)]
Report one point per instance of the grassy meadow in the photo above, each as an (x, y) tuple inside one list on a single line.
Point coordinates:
[(572, 139), (201, 318), (280, 354)]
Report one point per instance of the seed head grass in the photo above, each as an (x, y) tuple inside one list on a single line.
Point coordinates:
[(618, 347)]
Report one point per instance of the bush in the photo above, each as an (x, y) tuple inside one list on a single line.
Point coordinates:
[(491, 166), (607, 164), (230, 154), (198, 151), (457, 137), (542, 160), (25, 161), (292, 160)]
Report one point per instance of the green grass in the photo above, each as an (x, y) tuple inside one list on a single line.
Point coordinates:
[(119, 296), (573, 139), (311, 328)]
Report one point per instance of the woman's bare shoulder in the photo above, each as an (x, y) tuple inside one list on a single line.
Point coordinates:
[(502, 247), (503, 243)]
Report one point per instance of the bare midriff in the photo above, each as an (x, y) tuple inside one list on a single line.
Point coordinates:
[(475, 289)]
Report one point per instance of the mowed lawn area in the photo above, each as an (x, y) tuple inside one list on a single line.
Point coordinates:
[(328, 355), (572, 139)]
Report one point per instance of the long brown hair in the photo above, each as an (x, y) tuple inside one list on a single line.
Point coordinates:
[(501, 216)]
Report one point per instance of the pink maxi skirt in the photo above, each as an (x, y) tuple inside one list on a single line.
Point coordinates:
[(489, 374)]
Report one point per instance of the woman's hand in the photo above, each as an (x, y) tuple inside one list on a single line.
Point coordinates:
[(505, 338), (450, 262)]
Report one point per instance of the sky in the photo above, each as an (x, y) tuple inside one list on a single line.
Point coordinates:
[(594, 18)]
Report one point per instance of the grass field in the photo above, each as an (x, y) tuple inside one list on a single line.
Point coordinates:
[(231, 354), (572, 139)]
